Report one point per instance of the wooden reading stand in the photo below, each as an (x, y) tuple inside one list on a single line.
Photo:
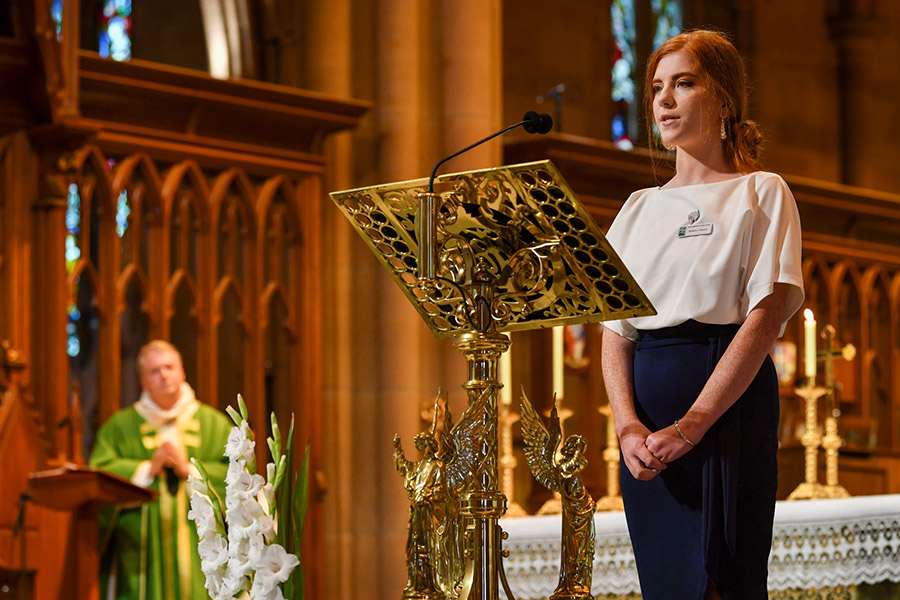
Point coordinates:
[(81, 490)]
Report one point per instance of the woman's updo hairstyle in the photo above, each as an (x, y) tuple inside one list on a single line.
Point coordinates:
[(722, 68)]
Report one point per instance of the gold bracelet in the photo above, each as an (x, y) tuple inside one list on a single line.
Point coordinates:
[(681, 434)]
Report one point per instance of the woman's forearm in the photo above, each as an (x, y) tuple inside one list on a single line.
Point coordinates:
[(738, 366), (617, 359)]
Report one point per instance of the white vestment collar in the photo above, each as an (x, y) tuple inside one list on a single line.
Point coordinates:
[(184, 408)]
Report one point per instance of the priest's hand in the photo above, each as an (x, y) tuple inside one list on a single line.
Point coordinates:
[(168, 455)]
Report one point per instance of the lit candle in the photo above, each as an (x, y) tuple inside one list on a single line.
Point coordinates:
[(809, 330), (558, 357), (506, 393)]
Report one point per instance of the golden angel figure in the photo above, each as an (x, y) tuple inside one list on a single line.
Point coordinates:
[(434, 485), (577, 552)]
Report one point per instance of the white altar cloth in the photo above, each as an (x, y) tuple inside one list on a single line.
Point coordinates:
[(816, 544)]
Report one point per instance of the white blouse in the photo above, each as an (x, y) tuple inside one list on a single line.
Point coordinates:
[(710, 252)]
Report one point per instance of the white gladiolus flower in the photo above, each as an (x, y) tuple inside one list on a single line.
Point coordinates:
[(240, 445), (196, 485), (274, 566), (246, 560), (241, 486), (202, 513)]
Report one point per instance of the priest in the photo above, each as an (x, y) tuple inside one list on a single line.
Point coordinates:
[(150, 552)]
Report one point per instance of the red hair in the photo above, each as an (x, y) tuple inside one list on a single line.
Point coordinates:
[(721, 66)]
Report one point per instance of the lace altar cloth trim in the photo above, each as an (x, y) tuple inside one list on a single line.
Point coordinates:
[(816, 543)]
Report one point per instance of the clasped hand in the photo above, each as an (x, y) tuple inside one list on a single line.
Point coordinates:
[(646, 453), (167, 455)]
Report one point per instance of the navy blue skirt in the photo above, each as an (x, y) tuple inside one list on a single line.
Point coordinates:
[(708, 516)]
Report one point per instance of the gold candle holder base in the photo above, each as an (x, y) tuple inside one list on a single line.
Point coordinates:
[(832, 443), (811, 440), (809, 491)]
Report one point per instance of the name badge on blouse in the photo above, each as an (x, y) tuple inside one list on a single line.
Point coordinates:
[(692, 228)]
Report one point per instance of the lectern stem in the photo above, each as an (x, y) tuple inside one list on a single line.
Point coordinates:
[(485, 504)]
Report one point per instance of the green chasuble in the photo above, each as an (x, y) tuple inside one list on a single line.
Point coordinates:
[(153, 548)]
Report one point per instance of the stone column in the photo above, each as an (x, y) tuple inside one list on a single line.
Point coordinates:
[(867, 132), (432, 73), (335, 37), (472, 81)]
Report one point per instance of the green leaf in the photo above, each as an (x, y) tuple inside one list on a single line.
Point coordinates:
[(279, 473), (243, 406), (276, 434), (283, 495), (300, 502), (234, 415), (273, 450)]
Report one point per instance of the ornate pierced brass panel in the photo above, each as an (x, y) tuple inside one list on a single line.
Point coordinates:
[(547, 259)]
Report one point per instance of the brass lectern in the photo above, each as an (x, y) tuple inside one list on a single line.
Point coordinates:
[(499, 250)]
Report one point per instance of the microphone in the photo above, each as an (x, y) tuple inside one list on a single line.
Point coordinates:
[(532, 122), (429, 203)]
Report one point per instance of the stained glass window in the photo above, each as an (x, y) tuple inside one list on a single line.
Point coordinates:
[(667, 15), (73, 254), (115, 30), (623, 87), (73, 224), (56, 13), (123, 210), (73, 344), (667, 21)]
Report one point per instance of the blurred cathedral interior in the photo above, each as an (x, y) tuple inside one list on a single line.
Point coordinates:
[(164, 173)]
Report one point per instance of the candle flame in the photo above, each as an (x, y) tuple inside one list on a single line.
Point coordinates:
[(808, 314)]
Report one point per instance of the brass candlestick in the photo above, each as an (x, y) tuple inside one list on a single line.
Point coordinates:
[(612, 500), (811, 441), (832, 442)]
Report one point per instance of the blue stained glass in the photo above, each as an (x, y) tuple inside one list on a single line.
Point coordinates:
[(668, 20), (73, 252), (618, 126), (623, 85), (73, 347), (119, 42), (73, 209), (104, 45), (123, 210), (623, 60), (115, 30), (73, 344), (56, 13), (73, 227)]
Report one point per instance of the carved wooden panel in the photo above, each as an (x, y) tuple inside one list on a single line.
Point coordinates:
[(211, 260)]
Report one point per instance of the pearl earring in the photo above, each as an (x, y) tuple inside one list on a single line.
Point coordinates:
[(722, 133)]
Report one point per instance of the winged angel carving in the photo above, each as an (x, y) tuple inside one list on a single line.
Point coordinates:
[(434, 484), (577, 552)]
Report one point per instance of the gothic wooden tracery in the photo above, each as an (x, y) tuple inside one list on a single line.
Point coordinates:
[(211, 261)]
